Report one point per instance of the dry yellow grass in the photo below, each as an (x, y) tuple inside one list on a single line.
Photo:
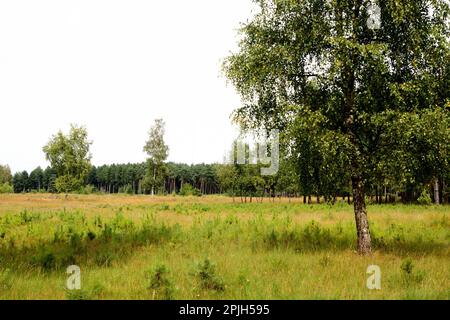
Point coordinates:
[(268, 250)]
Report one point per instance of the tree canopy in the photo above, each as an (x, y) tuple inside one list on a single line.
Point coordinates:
[(69, 156), (323, 61), (5, 174)]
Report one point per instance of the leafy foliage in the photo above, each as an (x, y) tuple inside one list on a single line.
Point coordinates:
[(336, 88), (158, 152), (70, 158)]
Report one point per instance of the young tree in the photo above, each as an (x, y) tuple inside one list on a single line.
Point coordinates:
[(158, 152), (356, 71), (425, 156), (69, 156), (227, 177), (6, 179), (5, 175)]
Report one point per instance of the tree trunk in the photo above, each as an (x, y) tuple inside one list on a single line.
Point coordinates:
[(436, 192), (362, 224), (444, 196), (154, 179), (377, 200)]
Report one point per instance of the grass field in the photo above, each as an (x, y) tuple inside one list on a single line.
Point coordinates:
[(139, 247)]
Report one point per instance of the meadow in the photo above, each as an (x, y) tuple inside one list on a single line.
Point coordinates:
[(142, 247)]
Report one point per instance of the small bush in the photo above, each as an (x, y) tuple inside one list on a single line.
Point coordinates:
[(76, 241), (407, 266), (107, 233), (25, 217), (189, 190), (409, 275), (45, 259), (6, 188), (160, 283), (425, 198), (89, 189), (91, 235), (206, 274), (67, 183), (315, 237)]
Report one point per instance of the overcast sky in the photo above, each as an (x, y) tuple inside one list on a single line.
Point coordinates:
[(115, 66)]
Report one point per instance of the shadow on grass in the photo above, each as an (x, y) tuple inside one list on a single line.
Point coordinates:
[(118, 240), (84, 248), (314, 238)]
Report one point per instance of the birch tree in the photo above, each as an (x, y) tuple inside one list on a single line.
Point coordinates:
[(356, 65), (157, 152)]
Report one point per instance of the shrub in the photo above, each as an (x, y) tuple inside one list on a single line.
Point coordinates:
[(206, 274), (45, 260), (409, 275), (189, 190), (407, 266), (89, 189), (6, 188), (91, 235), (76, 241), (25, 217), (67, 183), (160, 283), (425, 198)]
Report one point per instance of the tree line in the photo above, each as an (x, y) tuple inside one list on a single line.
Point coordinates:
[(317, 174), (130, 178), (243, 182), (363, 108), (362, 98), (124, 178)]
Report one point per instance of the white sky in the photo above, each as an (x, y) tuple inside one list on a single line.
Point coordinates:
[(114, 66)]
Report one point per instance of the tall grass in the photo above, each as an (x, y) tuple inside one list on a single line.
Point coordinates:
[(211, 248)]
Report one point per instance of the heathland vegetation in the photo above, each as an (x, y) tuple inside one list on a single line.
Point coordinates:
[(171, 247), (363, 114)]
